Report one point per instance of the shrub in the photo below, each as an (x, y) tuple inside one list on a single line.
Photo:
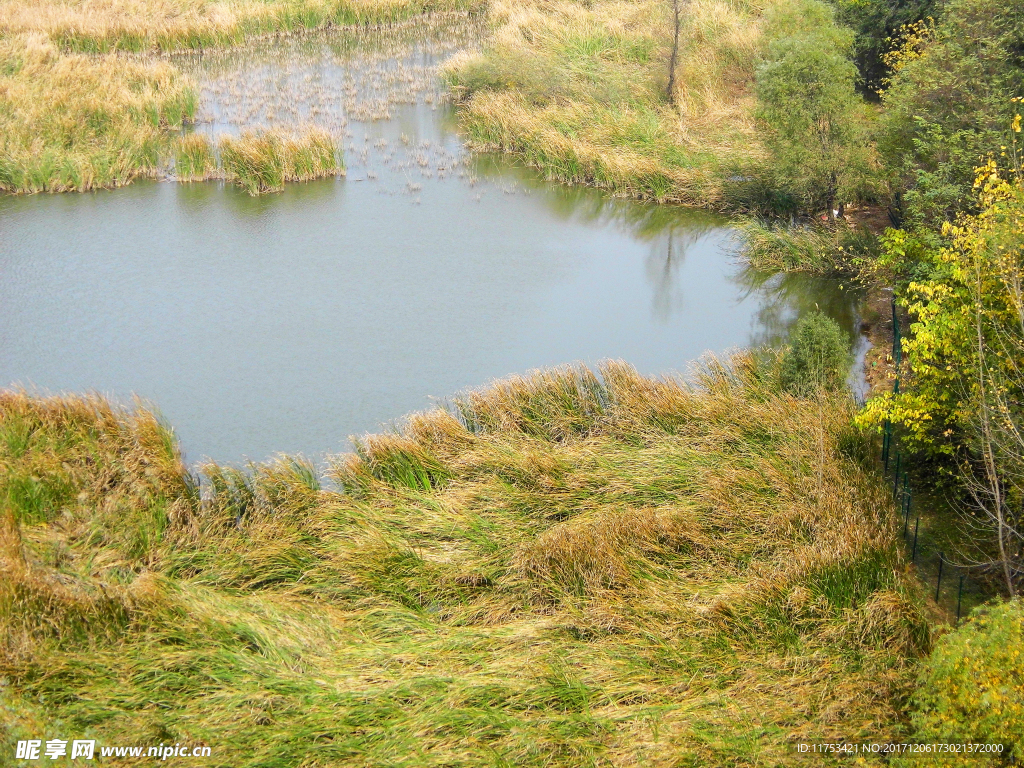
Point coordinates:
[(819, 357), (971, 687)]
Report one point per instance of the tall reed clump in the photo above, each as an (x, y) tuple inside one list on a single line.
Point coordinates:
[(569, 566), (194, 158), (74, 122), (261, 162)]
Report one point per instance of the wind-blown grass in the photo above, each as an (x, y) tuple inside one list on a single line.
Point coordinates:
[(563, 569)]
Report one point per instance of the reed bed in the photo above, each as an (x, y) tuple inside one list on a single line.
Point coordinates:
[(261, 162), (102, 26), (76, 115), (71, 122), (835, 249), (571, 567)]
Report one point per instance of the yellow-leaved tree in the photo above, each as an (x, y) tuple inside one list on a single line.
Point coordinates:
[(965, 398)]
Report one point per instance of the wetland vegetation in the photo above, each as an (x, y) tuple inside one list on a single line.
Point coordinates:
[(560, 569), (571, 567)]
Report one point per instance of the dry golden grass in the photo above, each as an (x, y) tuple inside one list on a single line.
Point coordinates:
[(565, 568), (140, 25), (579, 90), (71, 122)]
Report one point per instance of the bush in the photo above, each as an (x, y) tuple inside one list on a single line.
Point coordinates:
[(819, 357), (971, 688)]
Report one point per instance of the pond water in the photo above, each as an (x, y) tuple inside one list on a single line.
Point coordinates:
[(287, 323)]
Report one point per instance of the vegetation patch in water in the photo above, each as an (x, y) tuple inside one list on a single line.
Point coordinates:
[(261, 162)]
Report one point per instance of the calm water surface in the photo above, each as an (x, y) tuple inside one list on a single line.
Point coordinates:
[(289, 322)]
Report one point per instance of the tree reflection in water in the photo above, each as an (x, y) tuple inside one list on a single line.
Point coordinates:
[(785, 297), (671, 232)]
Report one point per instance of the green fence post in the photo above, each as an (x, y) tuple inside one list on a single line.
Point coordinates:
[(938, 581), (959, 597), (906, 513), (913, 552)]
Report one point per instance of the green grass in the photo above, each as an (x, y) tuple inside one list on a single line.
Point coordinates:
[(832, 250), (563, 569)]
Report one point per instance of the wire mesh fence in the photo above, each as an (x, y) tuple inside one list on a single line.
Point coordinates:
[(955, 588)]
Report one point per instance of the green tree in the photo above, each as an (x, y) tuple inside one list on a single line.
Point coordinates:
[(876, 24), (948, 105), (965, 401), (810, 111)]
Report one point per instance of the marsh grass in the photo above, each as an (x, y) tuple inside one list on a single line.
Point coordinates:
[(263, 161), (104, 26), (821, 249), (579, 91), (566, 568), (195, 158), (77, 114), (74, 122)]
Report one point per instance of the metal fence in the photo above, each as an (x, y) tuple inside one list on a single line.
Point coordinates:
[(955, 588)]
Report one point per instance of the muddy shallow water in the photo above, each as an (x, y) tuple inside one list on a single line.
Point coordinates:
[(289, 322)]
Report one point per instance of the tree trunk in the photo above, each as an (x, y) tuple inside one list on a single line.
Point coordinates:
[(671, 90), (988, 446)]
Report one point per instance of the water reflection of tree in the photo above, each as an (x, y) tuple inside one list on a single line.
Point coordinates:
[(670, 230), (786, 297), (663, 263)]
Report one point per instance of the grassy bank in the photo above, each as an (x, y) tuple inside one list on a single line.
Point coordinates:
[(70, 122), (582, 91), (579, 90), (836, 249), (76, 114), (560, 570)]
